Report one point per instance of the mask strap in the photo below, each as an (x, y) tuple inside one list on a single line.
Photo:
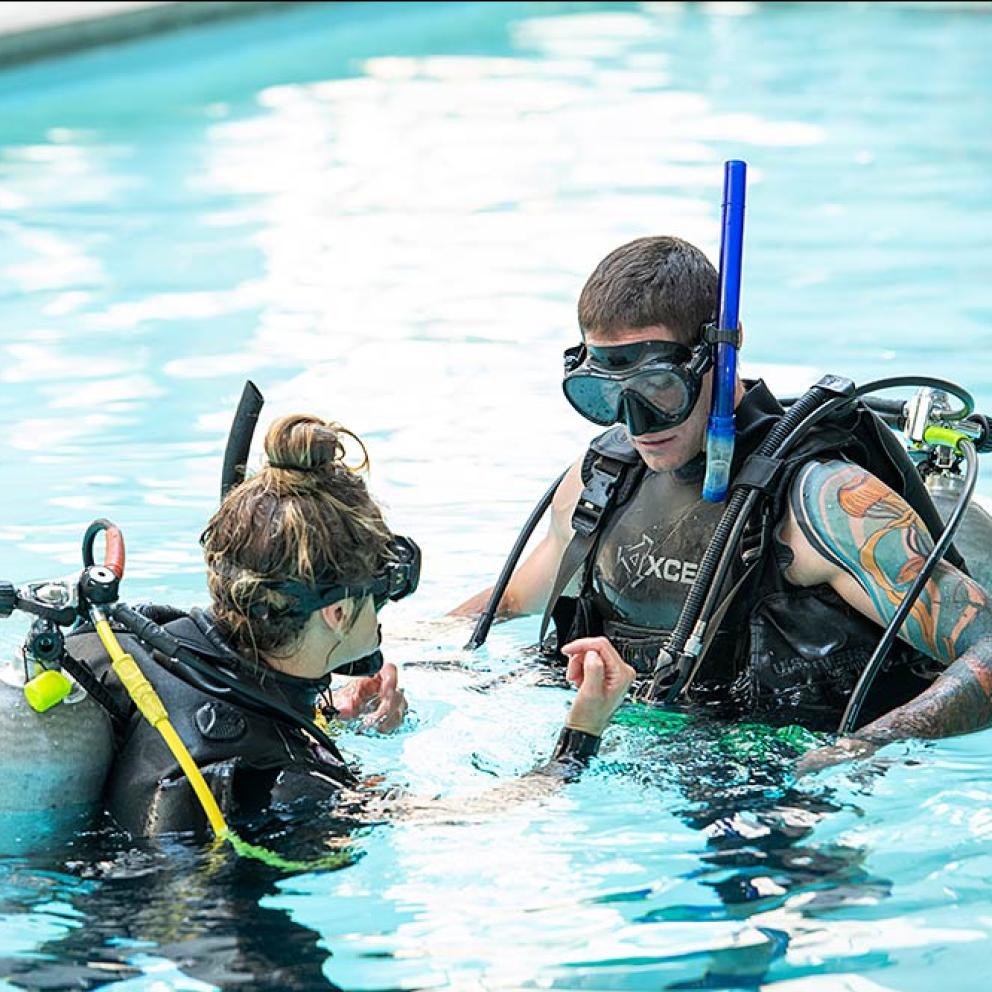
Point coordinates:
[(574, 357)]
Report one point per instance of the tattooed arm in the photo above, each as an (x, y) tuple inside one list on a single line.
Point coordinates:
[(849, 530)]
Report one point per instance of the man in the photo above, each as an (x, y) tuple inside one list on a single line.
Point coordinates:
[(833, 562)]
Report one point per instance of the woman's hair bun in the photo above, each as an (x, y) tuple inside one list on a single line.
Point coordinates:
[(303, 443)]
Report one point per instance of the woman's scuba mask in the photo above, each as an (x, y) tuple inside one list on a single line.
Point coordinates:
[(648, 386), (397, 579)]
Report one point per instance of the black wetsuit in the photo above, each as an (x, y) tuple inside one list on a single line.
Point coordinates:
[(252, 761), (782, 653)]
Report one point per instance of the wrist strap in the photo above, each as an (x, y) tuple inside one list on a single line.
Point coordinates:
[(575, 745)]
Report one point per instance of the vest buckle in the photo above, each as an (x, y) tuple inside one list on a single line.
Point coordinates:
[(596, 496)]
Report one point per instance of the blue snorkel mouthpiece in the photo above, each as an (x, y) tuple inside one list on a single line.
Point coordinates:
[(720, 429)]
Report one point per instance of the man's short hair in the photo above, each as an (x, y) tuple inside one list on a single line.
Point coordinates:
[(659, 280)]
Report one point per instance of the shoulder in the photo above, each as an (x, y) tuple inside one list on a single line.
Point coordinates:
[(823, 490), (569, 489), (840, 515), (565, 500), (826, 493)]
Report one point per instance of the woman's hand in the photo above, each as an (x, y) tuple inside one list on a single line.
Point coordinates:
[(377, 698), (602, 678), (845, 749)]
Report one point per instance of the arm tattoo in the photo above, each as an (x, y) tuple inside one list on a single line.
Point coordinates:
[(958, 702), (865, 529), (860, 525)]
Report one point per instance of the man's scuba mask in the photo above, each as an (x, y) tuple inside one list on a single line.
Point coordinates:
[(648, 386)]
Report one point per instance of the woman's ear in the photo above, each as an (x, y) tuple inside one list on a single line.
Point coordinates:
[(338, 616)]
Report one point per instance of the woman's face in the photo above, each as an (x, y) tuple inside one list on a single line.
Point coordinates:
[(359, 638)]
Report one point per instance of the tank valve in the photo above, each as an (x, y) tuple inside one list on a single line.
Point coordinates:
[(98, 585)]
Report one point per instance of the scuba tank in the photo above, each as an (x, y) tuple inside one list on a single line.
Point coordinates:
[(56, 735), (974, 537), (53, 765)]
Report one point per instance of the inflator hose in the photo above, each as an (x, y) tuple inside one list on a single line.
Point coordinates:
[(150, 705), (485, 621), (740, 500)]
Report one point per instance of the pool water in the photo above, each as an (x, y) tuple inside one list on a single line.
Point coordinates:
[(384, 213)]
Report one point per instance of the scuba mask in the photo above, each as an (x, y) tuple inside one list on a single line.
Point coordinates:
[(648, 386), (396, 580)]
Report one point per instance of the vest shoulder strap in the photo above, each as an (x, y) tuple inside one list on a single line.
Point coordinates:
[(615, 443), (610, 471)]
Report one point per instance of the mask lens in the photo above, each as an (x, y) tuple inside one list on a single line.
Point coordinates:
[(401, 576), (648, 385), (596, 399), (664, 391)]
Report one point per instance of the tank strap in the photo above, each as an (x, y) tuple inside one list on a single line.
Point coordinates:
[(96, 690), (603, 485)]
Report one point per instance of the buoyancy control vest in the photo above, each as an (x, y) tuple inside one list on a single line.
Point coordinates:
[(781, 653), (251, 760)]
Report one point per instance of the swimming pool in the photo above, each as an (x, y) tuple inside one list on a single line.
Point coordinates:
[(385, 213)]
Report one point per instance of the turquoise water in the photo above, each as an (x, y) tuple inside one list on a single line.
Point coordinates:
[(384, 213)]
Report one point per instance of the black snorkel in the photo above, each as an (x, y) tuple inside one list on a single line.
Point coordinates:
[(239, 438)]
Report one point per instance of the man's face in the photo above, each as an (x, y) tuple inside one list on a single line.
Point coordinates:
[(670, 449)]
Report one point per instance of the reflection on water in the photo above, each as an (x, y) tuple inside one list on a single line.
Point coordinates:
[(173, 914), (385, 213)]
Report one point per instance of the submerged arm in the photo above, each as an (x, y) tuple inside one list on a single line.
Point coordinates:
[(849, 530), (602, 678)]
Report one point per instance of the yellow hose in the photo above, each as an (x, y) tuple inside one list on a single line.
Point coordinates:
[(152, 709)]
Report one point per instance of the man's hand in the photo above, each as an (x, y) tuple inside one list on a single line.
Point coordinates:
[(602, 678), (376, 698)]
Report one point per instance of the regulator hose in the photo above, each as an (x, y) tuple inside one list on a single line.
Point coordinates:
[(740, 501)]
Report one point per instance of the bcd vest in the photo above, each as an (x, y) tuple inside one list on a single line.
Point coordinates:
[(250, 760), (782, 653)]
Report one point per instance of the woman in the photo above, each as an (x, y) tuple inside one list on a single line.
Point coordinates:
[(299, 562)]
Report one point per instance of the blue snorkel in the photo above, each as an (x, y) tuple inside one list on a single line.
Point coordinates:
[(720, 430)]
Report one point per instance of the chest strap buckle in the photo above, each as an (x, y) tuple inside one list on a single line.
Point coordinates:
[(596, 496)]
